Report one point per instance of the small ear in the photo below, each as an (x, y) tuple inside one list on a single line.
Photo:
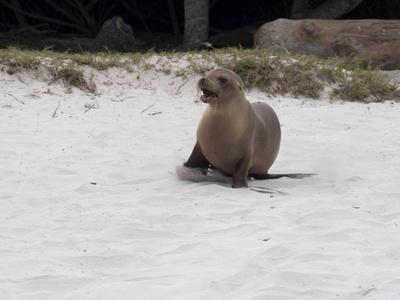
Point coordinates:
[(240, 87)]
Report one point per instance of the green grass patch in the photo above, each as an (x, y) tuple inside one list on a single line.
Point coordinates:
[(274, 73), (303, 75), (73, 76), (362, 85)]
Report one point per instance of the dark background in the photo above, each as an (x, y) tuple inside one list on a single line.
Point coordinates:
[(152, 20)]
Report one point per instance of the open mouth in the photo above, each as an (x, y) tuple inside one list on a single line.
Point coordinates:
[(207, 96)]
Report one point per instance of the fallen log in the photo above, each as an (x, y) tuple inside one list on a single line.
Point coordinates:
[(375, 41)]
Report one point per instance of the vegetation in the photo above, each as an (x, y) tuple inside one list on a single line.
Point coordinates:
[(274, 73)]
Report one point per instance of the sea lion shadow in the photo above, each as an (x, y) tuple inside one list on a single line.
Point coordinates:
[(212, 174), (202, 174), (268, 190)]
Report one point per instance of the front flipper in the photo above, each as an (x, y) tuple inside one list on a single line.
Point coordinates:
[(239, 179), (197, 160)]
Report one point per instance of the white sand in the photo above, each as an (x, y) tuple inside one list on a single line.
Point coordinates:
[(91, 207)]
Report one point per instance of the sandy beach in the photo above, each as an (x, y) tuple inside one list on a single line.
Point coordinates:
[(92, 207)]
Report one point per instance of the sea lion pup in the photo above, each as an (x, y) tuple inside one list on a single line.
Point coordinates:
[(234, 136)]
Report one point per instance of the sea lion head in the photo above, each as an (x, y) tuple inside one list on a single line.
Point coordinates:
[(220, 85)]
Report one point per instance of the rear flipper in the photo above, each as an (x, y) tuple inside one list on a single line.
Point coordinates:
[(276, 176)]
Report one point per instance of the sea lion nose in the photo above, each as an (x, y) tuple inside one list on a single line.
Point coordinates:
[(202, 80)]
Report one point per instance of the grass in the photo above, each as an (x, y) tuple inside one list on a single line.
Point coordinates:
[(73, 76), (274, 73)]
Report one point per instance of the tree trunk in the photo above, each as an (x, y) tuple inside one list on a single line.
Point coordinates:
[(174, 20), (300, 9), (22, 23), (330, 9), (377, 41), (196, 24)]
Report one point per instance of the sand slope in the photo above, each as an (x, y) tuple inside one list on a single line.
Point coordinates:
[(91, 206)]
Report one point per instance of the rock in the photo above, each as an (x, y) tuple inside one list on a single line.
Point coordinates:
[(376, 41), (114, 35)]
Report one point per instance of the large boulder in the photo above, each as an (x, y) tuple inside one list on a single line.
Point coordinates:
[(114, 35), (376, 41)]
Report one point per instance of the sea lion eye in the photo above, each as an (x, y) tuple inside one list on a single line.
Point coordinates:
[(222, 80)]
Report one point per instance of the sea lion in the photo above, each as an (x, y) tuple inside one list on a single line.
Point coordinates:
[(235, 136)]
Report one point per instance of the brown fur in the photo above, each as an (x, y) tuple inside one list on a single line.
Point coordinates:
[(234, 136)]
